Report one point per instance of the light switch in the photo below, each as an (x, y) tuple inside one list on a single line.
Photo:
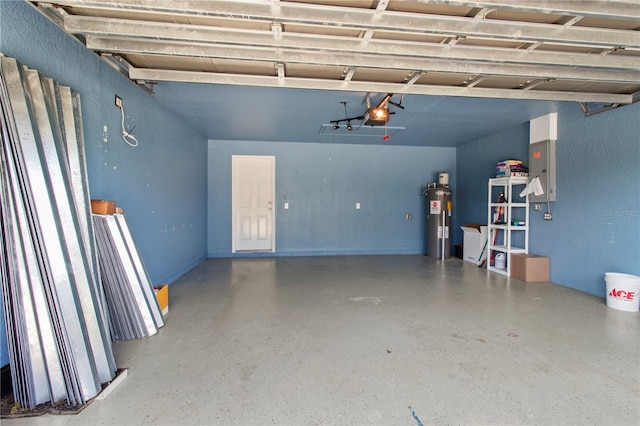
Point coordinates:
[(357, 206), (286, 206)]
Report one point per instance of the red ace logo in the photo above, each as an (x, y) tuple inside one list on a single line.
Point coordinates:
[(621, 294)]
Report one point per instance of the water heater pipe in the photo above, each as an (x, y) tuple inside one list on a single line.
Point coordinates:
[(443, 231)]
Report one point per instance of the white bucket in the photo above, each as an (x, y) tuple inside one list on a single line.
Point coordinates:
[(623, 291), (500, 261)]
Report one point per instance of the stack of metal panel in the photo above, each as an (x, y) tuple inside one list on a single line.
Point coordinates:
[(135, 312), (55, 310)]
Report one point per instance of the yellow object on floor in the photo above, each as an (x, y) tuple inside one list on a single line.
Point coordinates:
[(162, 294)]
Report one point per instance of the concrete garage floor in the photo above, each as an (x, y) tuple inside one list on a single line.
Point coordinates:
[(374, 340)]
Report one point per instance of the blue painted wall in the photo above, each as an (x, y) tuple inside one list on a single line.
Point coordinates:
[(161, 184), (596, 218), (322, 183), (476, 163)]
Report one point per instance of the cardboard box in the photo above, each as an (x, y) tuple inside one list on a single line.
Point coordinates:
[(530, 267), (162, 294), (475, 237), (103, 207)]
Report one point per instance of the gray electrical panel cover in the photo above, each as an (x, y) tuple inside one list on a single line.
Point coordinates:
[(542, 164)]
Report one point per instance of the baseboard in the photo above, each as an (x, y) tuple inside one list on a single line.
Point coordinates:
[(168, 279), (364, 252)]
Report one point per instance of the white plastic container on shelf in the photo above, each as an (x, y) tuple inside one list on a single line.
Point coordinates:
[(623, 291)]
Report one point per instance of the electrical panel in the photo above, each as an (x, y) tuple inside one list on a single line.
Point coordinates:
[(542, 164)]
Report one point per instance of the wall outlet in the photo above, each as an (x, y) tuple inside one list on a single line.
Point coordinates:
[(548, 216), (286, 206), (357, 206), (409, 216), (118, 102)]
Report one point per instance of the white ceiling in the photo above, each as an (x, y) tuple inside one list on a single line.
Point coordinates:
[(582, 51)]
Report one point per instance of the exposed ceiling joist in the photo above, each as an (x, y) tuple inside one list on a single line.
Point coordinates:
[(382, 5), (136, 30), (613, 9), (348, 74), (362, 86), (370, 60), (288, 12), (413, 77), (587, 51), (474, 81)]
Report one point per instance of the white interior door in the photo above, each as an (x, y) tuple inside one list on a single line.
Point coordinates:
[(253, 192)]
